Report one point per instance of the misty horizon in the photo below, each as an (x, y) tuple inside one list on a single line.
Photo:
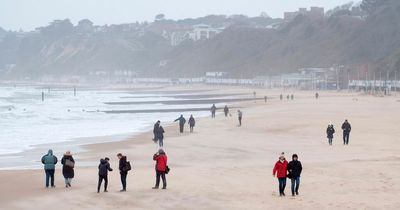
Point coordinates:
[(14, 17)]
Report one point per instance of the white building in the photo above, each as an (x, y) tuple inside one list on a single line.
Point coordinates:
[(203, 31)]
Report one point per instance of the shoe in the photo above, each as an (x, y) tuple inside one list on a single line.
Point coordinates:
[(293, 194), (154, 188), (98, 191), (164, 188), (53, 186), (123, 190), (297, 193), (283, 194), (66, 186), (69, 184), (105, 191)]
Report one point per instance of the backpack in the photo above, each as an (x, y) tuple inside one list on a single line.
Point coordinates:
[(127, 167)]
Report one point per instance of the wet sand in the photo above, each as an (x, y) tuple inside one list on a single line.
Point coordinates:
[(222, 166)]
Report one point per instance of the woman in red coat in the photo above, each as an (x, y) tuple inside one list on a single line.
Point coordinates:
[(161, 168), (280, 170)]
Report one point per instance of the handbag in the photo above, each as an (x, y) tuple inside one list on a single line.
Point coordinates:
[(69, 163), (167, 169)]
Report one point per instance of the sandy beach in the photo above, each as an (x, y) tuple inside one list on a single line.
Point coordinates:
[(223, 166)]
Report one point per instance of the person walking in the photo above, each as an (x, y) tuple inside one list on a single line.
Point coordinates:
[(182, 122), (240, 115), (329, 132), (155, 129), (226, 110), (49, 161), (191, 123), (280, 171), (160, 136), (213, 110), (316, 95), (294, 169), (68, 163), (124, 167), (104, 168), (281, 97), (292, 97), (346, 127), (265, 99), (161, 168)]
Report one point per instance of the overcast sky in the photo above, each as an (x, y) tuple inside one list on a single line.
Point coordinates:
[(28, 14)]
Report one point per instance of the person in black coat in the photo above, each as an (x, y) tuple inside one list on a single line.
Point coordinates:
[(122, 171), (155, 129), (68, 163), (182, 122), (329, 132), (104, 168), (294, 168), (191, 123), (346, 127)]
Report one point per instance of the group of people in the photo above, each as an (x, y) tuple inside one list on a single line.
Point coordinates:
[(68, 163), (226, 113), (281, 97), (346, 128), (292, 170)]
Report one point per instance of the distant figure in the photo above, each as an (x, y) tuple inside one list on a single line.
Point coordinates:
[(292, 96), (316, 95), (294, 168), (265, 99), (104, 168), (161, 168), (280, 170), (49, 162), (254, 94), (192, 123), (160, 136), (281, 97), (346, 127), (287, 97), (329, 132), (68, 163), (226, 110), (213, 110), (182, 122), (155, 129), (124, 167), (240, 115)]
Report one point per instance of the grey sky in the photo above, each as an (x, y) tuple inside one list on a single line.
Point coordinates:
[(28, 14)]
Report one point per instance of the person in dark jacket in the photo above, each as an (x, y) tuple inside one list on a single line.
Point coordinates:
[(192, 123), (346, 127), (329, 132), (182, 122), (281, 97), (49, 161), (161, 168), (155, 129), (104, 168), (68, 163), (213, 110), (226, 110), (316, 95), (122, 170), (294, 168), (292, 97), (240, 115), (160, 136), (280, 170)]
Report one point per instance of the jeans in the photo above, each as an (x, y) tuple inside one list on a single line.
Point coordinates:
[(346, 136), (49, 176), (123, 181), (295, 185), (282, 185), (181, 128), (161, 142), (330, 141), (240, 121), (212, 114), (68, 181), (100, 181), (191, 129), (162, 174)]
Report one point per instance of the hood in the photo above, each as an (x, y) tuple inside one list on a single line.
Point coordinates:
[(102, 161), (50, 152)]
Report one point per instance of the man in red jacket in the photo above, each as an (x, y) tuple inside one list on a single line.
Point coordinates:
[(161, 168), (280, 170)]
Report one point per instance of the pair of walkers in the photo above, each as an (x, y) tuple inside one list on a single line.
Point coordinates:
[(158, 132), (292, 170), (50, 160), (182, 121), (346, 127), (104, 168)]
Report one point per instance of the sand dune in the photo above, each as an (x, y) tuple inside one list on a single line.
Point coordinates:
[(222, 166)]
